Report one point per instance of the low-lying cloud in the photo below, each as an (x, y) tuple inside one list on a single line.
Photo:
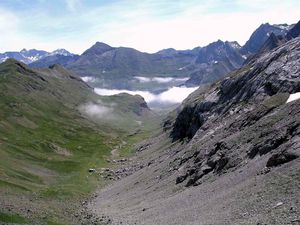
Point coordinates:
[(172, 96), (89, 79), (96, 110), (161, 80)]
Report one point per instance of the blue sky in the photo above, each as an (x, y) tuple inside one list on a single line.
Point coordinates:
[(148, 25)]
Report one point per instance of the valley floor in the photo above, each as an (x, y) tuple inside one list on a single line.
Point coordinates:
[(246, 196)]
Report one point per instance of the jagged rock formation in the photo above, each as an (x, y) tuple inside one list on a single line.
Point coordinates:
[(214, 61), (234, 155), (261, 34), (275, 40)]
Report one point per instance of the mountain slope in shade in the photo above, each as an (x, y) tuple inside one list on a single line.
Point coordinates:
[(294, 32), (272, 42)]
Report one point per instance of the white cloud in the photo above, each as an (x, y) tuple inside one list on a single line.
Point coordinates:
[(171, 96), (143, 79), (149, 97), (161, 80), (176, 94), (96, 111)]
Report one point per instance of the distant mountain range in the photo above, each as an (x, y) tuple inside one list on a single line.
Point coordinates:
[(33, 55), (117, 67)]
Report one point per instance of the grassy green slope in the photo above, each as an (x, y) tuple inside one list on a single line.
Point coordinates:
[(47, 145)]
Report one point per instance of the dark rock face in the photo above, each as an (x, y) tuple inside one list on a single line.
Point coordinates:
[(294, 32), (281, 158), (272, 42), (243, 117)]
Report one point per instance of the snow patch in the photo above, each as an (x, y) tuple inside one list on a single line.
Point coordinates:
[(61, 51), (293, 97), (4, 59)]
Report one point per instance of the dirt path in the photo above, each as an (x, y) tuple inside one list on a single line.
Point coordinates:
[(115, 152)]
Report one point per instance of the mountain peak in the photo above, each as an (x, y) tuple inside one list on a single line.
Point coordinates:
[(99, 43), (167, 52), (61, 51), (98, 49), (233, 44)]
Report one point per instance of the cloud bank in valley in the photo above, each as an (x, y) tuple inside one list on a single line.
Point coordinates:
[(161, 80), (173, 95)]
